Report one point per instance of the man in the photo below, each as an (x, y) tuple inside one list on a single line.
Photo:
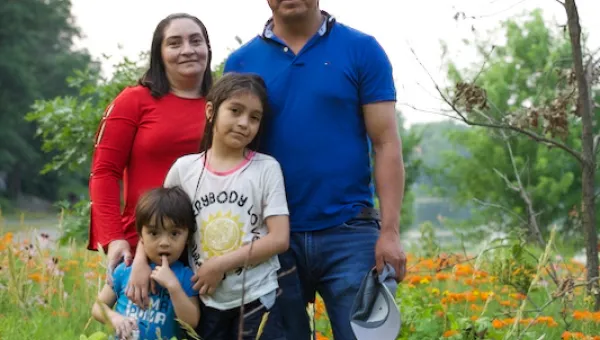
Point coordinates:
[(331, 94)]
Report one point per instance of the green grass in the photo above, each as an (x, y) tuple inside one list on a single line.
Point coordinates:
[(46, 292), (41, 301)]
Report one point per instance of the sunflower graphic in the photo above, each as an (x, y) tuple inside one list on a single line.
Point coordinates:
[(221, 233)]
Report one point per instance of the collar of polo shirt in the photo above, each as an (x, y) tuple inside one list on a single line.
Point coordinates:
[(267, 32)]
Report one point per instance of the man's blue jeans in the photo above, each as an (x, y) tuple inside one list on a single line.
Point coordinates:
[(333, 263)]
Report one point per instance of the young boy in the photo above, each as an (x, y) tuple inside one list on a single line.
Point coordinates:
[(165, 222)]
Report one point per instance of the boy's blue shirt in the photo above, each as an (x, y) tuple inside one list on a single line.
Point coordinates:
[(160, 314)]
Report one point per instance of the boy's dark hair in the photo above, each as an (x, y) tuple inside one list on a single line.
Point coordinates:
[(155, 78), (229, 85), (157, 206)]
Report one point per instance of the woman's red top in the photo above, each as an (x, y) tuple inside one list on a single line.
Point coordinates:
[(137, 141)]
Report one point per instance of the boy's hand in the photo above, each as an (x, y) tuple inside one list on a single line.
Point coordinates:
[(124, 326), (208, 276), (164, 276)]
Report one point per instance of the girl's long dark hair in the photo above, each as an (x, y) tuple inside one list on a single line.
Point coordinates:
[(229, 85), (155, 78)]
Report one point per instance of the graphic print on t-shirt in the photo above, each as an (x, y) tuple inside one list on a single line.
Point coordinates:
[(221, 233), (231, 209), (225, 222)]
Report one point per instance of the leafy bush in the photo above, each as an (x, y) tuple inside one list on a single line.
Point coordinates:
[(67, 125)]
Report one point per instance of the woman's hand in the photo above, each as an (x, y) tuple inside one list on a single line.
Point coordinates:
[(117, 250), (208, 276), (139, 281)]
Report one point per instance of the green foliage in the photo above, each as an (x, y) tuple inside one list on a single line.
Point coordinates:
[(37, 55), (430, 247), (514, 265), (75, 223), (524, 72), (449, 295), (67, 124), (412, 167)]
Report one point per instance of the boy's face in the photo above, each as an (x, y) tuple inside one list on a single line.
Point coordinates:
[(166, 240)]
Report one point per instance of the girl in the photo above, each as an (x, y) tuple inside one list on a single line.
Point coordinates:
[(239, 200)]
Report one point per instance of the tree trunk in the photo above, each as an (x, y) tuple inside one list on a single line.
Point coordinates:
[(588, 165)]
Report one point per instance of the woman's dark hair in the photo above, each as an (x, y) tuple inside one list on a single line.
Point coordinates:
[(155, 78), (160, 206), (229, 85)]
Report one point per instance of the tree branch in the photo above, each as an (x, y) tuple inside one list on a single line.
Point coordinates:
[(496, 125)]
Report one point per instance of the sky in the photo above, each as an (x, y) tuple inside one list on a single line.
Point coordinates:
[(124, 28)]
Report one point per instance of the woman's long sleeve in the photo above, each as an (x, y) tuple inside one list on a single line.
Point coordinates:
[(113, 144)]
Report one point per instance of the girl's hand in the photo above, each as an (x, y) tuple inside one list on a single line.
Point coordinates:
[(139, 281), (164, 276), (123, 326), (208, 276)]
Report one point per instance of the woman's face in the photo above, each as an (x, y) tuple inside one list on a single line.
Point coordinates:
[(184, 49)]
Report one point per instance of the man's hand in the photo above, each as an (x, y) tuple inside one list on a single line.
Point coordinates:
[(208, 276), (389, 250), (117, 250), (164, 276)]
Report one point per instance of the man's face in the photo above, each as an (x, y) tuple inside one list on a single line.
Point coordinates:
[(292, 9)]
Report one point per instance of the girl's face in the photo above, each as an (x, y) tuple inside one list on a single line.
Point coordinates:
[(169, 240), (184, 49), (238, 120)]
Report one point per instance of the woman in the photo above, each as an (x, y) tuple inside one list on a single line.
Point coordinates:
[(145, 129)]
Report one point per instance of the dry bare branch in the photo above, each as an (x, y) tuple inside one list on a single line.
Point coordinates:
[(477, 101)]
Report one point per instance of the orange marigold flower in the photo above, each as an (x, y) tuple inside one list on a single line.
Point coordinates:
[(518, 296), (485, 295), (442, 276), (414, 279), (471, 297), (497, 324), (37, 277), (582, 315), (450, 333), (319, 309), (548, 320)]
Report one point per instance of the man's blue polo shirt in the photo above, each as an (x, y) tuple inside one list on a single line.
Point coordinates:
[(315, 127)]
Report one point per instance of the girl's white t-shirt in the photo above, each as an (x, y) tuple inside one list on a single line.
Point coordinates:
[(230, 209)]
